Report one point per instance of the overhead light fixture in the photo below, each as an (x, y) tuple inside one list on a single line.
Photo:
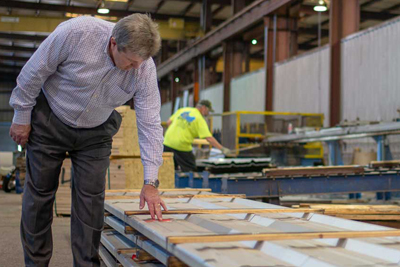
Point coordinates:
[(254, 41), (102, 9), (321, 7), (177, 80)]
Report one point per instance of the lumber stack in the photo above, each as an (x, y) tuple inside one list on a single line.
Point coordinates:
[(127, 172), (205, 229), (126, 141)]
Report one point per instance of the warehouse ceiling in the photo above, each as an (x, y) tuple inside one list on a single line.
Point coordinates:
[(25, 24)]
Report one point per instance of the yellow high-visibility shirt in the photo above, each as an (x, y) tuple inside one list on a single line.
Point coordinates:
[(187, 124)]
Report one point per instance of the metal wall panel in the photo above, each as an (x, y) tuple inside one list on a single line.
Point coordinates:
[(166, 111), (371, 80), (248, 92), (215, 94), (371, 73), (302, 83)]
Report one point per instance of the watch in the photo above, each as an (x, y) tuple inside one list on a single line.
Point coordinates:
[(154, 183)]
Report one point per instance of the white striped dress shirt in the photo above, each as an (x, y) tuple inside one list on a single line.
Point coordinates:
[(83, 86)]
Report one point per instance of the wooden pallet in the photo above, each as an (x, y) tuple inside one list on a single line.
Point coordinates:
[(385, 164), (199, 233), (308, 171)]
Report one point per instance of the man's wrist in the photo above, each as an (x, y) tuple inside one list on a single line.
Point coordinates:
[(155, 183)]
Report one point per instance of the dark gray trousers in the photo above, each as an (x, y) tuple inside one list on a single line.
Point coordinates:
[(89, 149)]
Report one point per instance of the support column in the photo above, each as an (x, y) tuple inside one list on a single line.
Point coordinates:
[(280, 40), (196, 88), (164, 50), (233, 66), (227, 75), (174, 90), (206, 16), (344, 20)]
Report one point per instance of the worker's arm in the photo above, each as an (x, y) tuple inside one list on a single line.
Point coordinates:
[(43, 63), (169, 122), (217, 145), (205, 133), (214, 142), (147, 106)]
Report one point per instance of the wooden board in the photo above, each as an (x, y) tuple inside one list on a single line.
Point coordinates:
[(279, 236), (358, 212), (225, 211), (305, 171)]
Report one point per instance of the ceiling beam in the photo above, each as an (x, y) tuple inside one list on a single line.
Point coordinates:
[(366, 15), (19, 36), (188, 8), (84, 10), (159, 5), (14, 58), (17, 48), (11, 67), (217, 10), (219, 2), (241, 21), (313, 31)]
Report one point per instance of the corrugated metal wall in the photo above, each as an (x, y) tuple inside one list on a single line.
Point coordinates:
[(248, 92), (215, 94), (371, 73), (302, 83), (166, 110), (371, 79)]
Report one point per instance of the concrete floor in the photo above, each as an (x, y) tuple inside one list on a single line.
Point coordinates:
[(10, 244)]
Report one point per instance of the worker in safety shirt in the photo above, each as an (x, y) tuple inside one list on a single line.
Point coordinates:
[(183, 127), (64, 102)]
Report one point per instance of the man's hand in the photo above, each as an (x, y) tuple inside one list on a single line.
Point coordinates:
[(150, 195), (20, 133)]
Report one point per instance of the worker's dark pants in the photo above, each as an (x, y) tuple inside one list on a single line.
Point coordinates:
[(89, 149), (183, 160)]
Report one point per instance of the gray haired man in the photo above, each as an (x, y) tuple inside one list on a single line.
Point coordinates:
[(64, 102)]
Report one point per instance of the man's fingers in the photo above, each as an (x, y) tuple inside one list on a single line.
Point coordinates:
[(163, 205), (158, 211), (141, 203), (151, 209)]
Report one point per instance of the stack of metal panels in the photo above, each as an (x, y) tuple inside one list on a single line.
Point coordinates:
[(205, 229), (233, 165)]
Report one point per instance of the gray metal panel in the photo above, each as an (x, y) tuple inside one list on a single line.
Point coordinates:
[(215, 94), (302, 83), (370, 73), (166, 110), (248, 92)]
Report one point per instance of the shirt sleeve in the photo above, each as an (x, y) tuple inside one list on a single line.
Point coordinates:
[(203, 130), (42, 64), (147, 107)]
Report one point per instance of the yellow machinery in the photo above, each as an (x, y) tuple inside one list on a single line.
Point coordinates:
[(240, 129)]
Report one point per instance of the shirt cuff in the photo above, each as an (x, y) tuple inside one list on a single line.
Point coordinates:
[(150, 173), (22, 117)]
